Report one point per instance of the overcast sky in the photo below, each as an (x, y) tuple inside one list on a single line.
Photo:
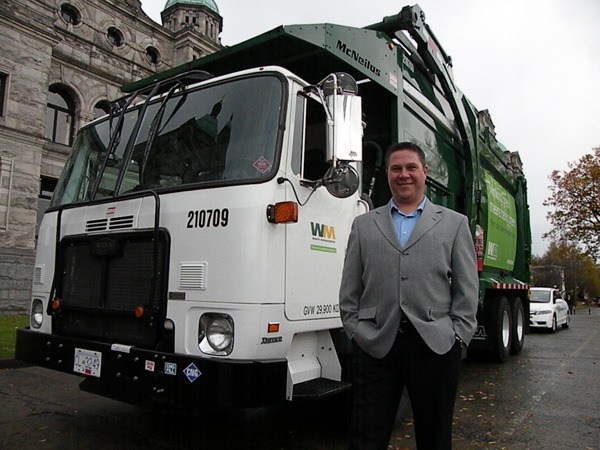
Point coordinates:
[(534, 64)]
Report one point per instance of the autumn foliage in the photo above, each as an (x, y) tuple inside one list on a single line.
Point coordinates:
[(563, 261), (575, 203)]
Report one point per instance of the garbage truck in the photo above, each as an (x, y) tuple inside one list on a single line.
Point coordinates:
[(192, 253)]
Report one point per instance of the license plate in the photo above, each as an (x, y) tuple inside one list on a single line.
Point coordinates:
[(87, 362)]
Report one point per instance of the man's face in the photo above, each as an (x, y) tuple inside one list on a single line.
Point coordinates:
[(406, 177)]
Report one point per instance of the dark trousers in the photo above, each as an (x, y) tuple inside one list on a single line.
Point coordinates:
[(431, 381)]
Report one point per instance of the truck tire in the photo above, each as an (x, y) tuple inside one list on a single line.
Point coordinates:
[(501, 321), (518, 326)]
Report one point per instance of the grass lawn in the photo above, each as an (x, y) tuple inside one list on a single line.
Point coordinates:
[(8, 334)]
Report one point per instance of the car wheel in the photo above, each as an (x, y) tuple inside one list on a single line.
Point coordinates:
[(501, 324), (518, 327), (554, 327)]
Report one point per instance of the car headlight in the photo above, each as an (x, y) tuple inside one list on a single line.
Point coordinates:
[(37, 313), (215, 335)]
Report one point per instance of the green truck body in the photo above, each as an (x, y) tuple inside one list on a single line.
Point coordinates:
[(408, 94)]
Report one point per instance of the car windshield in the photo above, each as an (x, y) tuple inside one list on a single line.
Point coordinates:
[(221, 134), (540, 296)]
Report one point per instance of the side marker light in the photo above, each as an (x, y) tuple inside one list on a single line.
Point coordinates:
[(282, 212)]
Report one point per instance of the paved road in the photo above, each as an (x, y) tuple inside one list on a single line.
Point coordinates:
[(546, 398)]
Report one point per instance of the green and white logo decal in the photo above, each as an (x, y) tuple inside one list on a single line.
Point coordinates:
[(501, 226), (322, 235)]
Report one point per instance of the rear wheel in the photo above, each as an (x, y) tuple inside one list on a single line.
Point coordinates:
[(501, 324), (518, 327)]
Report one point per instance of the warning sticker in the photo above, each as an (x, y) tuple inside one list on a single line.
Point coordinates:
[(262, 165), (170, 368), (192, 372)]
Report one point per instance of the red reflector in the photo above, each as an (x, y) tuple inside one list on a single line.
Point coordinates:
[(479, 235), (273, 327), (55, 304), (282, 212), (139, 311)]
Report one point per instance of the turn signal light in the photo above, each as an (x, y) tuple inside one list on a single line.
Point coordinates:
[(282, 212), (273, 327)]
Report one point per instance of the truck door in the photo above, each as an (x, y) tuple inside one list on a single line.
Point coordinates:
[(315, 245)]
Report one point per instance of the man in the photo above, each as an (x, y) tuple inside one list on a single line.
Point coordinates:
[(408, 301)]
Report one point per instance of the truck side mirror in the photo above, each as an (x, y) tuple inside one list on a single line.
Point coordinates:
[(341, 181), (344, 114)]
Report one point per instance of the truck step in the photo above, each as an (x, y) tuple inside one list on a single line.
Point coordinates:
[(318, 388)]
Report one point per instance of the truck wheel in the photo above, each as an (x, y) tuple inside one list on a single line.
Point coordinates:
[(502, 329), (518, 327)]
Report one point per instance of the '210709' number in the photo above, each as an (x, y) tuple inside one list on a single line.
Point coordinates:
[(208, 218)]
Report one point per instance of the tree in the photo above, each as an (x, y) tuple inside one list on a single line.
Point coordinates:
[(580, 270), (575, 203)]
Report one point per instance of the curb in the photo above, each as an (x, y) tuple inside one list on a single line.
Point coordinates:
[(13, 364)]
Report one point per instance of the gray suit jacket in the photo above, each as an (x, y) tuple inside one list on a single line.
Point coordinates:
[(433, 280)]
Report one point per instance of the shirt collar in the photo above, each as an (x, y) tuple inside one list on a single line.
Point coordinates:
[(394, 208)]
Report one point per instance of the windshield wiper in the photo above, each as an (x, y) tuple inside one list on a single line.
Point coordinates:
[(119, 106), (154, 127)]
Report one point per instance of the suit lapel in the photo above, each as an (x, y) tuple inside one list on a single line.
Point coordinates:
[(430, 216), (383, 220)]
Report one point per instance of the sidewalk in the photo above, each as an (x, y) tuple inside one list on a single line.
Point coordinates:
[(587, 309)]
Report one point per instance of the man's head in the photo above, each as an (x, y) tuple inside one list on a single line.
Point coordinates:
[(407, 171), (405, 146)]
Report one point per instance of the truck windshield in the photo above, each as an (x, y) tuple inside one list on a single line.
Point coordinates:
[(221, 134)]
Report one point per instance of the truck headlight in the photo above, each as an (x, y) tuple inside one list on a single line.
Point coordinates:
[(215, 334), (37, 313)]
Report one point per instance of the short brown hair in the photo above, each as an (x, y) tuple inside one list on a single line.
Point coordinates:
[(405, 146)]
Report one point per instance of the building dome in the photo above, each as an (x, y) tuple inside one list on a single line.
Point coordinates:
[(208, 3)]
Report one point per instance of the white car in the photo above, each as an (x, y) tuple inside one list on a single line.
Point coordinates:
[(547, 309)]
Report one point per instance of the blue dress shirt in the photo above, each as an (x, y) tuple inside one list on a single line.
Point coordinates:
[(405, 223)]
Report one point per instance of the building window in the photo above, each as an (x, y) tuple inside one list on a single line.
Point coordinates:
[(60, 116), (70, 14), (101, 109), (6, 171), (152, 55), (3, 90), (115, 37)]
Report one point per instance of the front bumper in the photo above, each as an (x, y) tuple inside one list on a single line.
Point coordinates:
[(540, 321), (170, 381)]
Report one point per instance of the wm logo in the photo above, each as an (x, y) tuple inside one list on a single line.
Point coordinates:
[(323, 231)]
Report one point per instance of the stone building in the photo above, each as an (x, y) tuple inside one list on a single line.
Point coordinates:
[(61, 64)]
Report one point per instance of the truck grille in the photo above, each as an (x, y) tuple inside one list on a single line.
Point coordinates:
[(114, 223), (104, 278)]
